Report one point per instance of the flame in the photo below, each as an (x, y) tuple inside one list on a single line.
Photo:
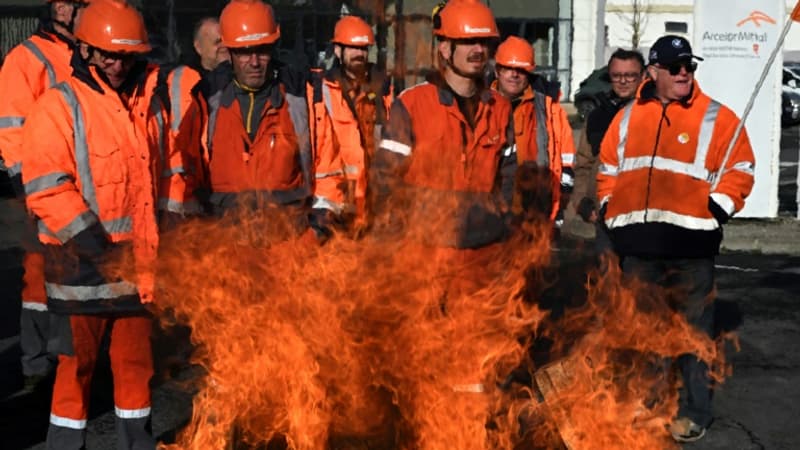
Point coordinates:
[(412, 347)]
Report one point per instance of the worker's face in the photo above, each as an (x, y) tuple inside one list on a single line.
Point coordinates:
[(250, 65), (673, 81), (511, 82), (115, 66), (353, 59), (208, 45), (626, 75), (466, 57), (65, 12)]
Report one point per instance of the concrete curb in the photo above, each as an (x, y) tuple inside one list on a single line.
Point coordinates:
[(765, 236)]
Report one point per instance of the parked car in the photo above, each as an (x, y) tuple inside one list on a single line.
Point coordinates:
[(790, 98), (595, 84)]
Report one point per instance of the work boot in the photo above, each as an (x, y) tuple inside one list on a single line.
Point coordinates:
[(685, 430)]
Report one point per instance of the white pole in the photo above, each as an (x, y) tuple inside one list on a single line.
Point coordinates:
[(752, 100)]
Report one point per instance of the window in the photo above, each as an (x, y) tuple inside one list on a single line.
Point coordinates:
[(676, 27)]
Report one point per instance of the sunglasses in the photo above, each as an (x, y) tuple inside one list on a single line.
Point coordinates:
[(675, 68)]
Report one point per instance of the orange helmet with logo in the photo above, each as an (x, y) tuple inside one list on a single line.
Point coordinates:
[(113, 26), (464, 19), (353, 31), (248, 23), (516, 53)]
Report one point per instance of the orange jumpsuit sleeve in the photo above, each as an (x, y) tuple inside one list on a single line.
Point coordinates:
[(50, 177)]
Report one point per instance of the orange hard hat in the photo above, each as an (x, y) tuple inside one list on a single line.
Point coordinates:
[(113, 26), (248, 23), (464, 19), (353, 31), (516, 53)]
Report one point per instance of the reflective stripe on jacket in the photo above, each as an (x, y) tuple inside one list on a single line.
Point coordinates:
[(344, 140), (543, 136), (274, 166), (445, 175), (90, 159), (29, 69), (657, 165), (187, 116)]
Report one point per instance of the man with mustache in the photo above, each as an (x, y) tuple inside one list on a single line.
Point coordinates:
[(30, 69), (664, 196), (258, 138), (442, 169), (544, 144), (350, 104)]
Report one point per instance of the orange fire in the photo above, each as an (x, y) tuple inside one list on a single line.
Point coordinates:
[(408, 347)]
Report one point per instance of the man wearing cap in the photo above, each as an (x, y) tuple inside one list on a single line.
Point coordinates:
[(31, 68), (350, 104), (93, 158), (544, 146), (664, 196)]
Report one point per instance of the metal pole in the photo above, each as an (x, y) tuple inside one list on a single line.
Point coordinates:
[(750, 102)]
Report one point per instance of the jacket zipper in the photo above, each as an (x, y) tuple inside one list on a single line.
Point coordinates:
[(652, 160)]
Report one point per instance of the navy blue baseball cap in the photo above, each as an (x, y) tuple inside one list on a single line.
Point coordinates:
[(669, 49)]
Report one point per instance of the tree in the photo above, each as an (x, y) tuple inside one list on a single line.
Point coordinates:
[(635, 17)]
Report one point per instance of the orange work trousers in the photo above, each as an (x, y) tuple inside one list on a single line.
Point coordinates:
[(131, 367)]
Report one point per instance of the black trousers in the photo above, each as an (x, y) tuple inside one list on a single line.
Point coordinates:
[(688, 288)]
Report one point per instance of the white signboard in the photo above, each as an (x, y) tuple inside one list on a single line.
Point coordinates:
[(736, 38)]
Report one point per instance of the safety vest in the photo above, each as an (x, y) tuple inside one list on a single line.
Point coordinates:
[(657, 166), (344, 137), (274, 167), (32, 67), (447, 173), (543, 136), (91, 158)]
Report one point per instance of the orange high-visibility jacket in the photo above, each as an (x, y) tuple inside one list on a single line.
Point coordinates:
[(343, 138), (657, 165), (30, 68), (544, 136), (92, 162), (453, 173), (274, 166), (187, 118)]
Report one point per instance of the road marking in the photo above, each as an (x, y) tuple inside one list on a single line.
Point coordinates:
[(737, 268), (788, 270)]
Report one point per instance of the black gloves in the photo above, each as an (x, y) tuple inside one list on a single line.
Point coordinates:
[(91, 242), (585, 209), (717, 211)]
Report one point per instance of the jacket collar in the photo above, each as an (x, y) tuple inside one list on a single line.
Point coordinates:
[(96, 80), (46, 30), (272, 89), (446, 94), (647, 93)]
